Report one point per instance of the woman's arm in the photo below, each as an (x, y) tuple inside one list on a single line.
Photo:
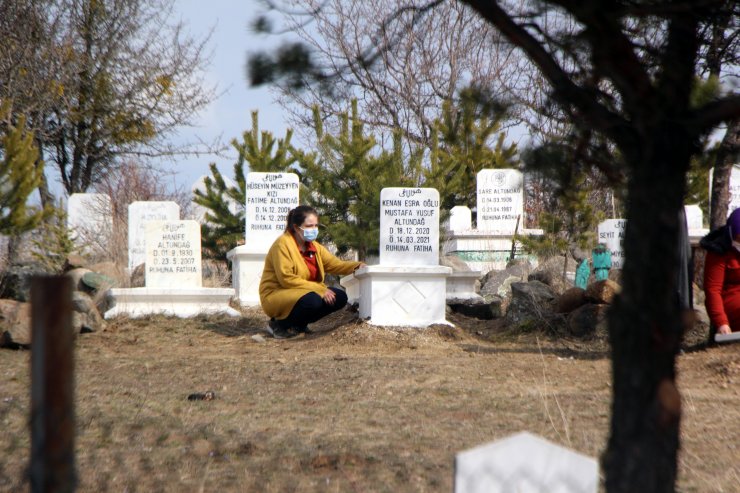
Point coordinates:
[(714, 279)]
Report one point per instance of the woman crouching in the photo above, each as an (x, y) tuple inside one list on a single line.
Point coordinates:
[(292, 289)]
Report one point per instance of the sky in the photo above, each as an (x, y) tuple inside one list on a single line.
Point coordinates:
[(230, 115)]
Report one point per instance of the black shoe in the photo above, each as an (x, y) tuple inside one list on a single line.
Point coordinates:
[(278, 332), (304, 330)]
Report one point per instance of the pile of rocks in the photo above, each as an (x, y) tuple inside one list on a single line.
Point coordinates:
[(90, 282)]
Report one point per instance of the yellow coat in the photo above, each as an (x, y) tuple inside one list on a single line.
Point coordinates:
[(285, 276)]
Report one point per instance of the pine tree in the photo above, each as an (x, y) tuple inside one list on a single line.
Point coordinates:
[(54, 242), (463, 142), (345, 176), (19, 176), (223, 228)]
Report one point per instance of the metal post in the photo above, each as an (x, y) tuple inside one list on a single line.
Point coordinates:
[(52, 386)]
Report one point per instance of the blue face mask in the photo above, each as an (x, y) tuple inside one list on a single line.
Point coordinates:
[(310, 234)]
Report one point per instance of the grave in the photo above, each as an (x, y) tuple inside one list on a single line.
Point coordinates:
[(138, 214), (270, 196), (174, 278), (408, 286), (500, 214), (90, 220), (524, 463)]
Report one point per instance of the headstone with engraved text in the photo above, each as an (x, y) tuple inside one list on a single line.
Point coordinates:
[(138, 214), (409, 226), (500, 195), (173, 257), (611, 233), (270, 196)]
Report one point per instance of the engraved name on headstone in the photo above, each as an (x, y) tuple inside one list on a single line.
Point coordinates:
[(500, 198), (270, 196), (611, 233), (409, 226), (138, 214), (173, 254)]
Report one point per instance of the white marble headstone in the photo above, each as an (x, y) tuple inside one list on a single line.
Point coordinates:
[(500, 195), (611, 233), (409, 226), (90, 219), (270, 196), (460, 218), (524, 463), (173, 257), (138, 214), (694, 217)]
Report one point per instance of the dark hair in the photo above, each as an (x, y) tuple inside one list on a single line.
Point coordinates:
[(297, 216)]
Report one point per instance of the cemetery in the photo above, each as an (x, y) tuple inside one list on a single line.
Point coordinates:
[(446, 363)]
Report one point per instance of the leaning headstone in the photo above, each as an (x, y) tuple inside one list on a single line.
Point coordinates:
[(500, 195), (269, 198), (408, 286), (90, 221), (611, 233), (138, 214), (524, 463), (173, 254)]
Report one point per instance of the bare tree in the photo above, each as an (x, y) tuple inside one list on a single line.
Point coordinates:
[(106, 78)]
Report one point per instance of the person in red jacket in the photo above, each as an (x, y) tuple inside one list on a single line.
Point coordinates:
[(722, 275)]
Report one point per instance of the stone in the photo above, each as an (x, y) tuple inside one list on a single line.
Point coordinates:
[(586, 320), (611, 233), (602, 292), (530, 301), (500, 200), (15, 324), (76, 276), (524, 463), (110, 270), (173, 256), (498, 282), (138, 214), (454, 262), (258, 338), (550, 272), (570, 300), (74, 261), (97, 282), (138, 279), (15, 283)]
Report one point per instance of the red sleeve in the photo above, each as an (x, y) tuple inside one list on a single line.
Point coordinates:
[(714, 279)]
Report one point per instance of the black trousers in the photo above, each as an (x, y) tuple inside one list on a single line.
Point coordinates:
[(312, 307)]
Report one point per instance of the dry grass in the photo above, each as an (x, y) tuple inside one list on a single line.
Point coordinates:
[(352, 408)]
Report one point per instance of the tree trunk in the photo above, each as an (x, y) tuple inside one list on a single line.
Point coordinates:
[(645, 325), (720, 199)]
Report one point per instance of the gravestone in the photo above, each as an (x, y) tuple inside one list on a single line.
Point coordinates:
[(408, 286), (460, 219), (524, 463), (174, 277), (138, 214), (500, 195), (611, 233), (173, 257), (90, 220), (694, 217), (269, 198)]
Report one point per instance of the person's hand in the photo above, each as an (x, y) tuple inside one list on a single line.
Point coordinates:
[(330, 297), (362, 264), (723, 329)]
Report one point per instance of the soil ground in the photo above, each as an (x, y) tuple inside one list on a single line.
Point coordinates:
[(351, 408)]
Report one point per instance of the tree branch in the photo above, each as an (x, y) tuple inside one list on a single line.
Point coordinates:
[(712, 114)]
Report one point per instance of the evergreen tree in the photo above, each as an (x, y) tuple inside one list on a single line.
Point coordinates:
[(223, 228), (345, 176), (19, 176), (463, 142), (54, 242)]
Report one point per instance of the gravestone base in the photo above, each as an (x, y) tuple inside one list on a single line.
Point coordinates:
[(461, 286), (412, 296), (183, 303), (485, 250), (246, 272)]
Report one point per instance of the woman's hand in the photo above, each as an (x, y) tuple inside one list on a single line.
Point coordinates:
[(330, 297), (723, 329)]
